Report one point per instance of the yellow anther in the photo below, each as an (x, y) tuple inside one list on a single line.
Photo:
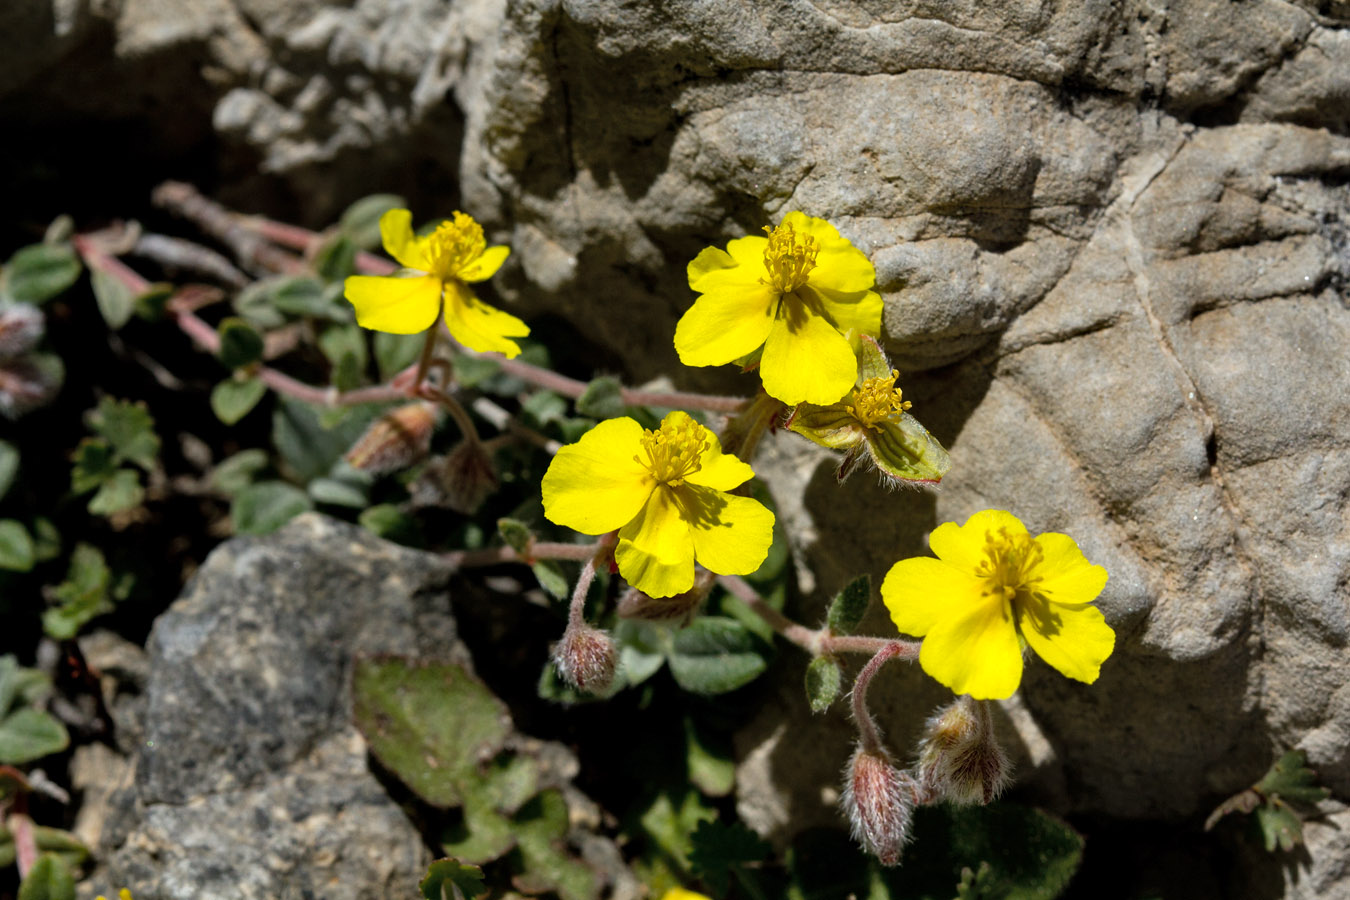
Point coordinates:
[(789, 258), (1008, 561), (455, 244), (877, 401), (673, 451)]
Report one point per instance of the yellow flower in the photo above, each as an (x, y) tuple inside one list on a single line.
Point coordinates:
[(665, 492), (679, 893), (438, 270), (800, 293), (123, 894), (992, 591)]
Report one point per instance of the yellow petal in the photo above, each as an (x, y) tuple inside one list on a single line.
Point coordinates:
[(720, 471), (740, 264), (1065, 574), (963, 545), (725, 324), (921, 592), (854, 314), (805, 359), (839, 265), (486, 265), (397, 235), (392, 304), (595, 485), (731, 534), (976, 652), (478, 326), (1075, 639), (656, 551)]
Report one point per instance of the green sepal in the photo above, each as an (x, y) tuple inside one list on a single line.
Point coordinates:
[(905, 450), (872, 361), (829, 426), (446, 872), (516, 534), (823, 679), (850, 605)]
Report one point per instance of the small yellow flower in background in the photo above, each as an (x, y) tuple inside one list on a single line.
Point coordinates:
[(872, 423), (678, 893), (993, 590), (665, 492), (438, 270), (800, 294), (123, 894)]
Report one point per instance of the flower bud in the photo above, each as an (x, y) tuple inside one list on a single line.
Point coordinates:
[(394, 441), (460, 480), (960, 759), (636, 605), (21, 327), (878, 800), (29, 382), (586, 658)]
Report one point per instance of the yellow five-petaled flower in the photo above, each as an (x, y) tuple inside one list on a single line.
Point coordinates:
[(438, 270), (800, 293), (665, 493), (993, 590)]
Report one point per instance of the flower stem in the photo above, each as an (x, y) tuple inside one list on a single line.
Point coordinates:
[(800, 635), (492, 556), (504, 421), (867, 727), (248, 246), (428, 350), (576, 610)]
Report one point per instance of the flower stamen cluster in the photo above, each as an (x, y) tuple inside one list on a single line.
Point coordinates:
[(453, 245), (1010, 563), (788, 258), (878, 400), (673, 452)]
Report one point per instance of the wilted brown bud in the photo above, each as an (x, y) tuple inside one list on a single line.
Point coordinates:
[(586, 658), (960, 759), (878, 800), (636, 605), (21, 327), (460, 480), (395, 440), (28, 383)]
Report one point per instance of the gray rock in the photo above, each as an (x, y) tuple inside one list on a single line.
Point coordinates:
[(250, 780)]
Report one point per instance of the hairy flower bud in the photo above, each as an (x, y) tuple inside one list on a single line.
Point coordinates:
[(29, 382), (960, 759), (395, 440), (461, 480), (21, 327), (636, 605), (586, 658), (878, 800)]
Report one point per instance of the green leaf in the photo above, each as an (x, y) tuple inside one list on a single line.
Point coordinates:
[(976, 884), (86, 594), (345, 348), (642, 649), (9, 466), (336, 492), (1290, 779), (515, 533), (240, 344), (715, 655), (128, 428), (392, 524), (361, 221), (49, 840), (16, 547), (39, 272), (265, 506), (20, 684), (602, 399), (446, 872), (94, 464), (254, 303), (543, 407), (336, 258), (238, 471), (551, 578), (306, 445), (233, 398), (395, 352), (115, 300), (671, 819), (823, 679), (430, 725), (120, 491), (711, 765), (1280, 826), (850, 605), (304, 296), (28, 734), (46, 539), (719, 849), (540, 827), (49, 879), (151, 302)]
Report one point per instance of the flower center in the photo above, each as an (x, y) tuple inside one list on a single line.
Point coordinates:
[(789, 258), (455, 244), (878, 400), (1008, 561), (673, 451)]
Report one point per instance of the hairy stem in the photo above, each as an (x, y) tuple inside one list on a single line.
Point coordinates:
[(492, 556), (867, 727), (576, 610), (806, 638)]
